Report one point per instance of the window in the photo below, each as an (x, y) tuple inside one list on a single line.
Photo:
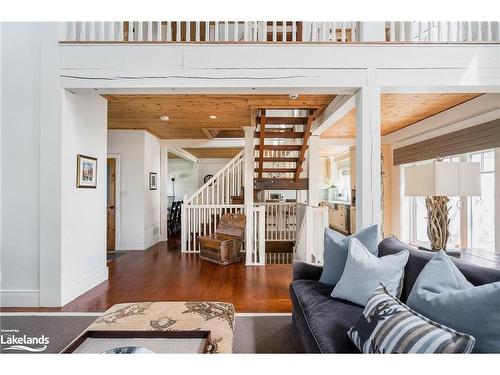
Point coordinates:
[(479, 216)]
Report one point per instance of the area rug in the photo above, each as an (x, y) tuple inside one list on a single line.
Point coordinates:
[(254, 333)]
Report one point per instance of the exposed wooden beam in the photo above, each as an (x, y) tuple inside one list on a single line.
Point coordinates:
[(281, 184), (281, 134), (302, 153), (208, 133), (183, 154), (261, 142), (337, 109), (285, 120)]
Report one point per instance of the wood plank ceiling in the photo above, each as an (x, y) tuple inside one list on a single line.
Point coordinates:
[(189, 115), (399, 111)]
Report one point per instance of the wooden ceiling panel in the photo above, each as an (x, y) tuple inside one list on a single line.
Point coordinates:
[(399, 111), (190, 114)]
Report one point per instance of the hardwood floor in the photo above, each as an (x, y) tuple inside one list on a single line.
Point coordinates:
[(162, 273)]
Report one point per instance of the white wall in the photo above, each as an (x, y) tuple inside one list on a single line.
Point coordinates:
[(20, 112), (84, 131), (129, 144), (52, 236), (151, 197), (186, 177), (210, 166), (140, 207)]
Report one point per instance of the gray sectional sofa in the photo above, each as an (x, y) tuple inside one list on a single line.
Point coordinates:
[(322, 322)]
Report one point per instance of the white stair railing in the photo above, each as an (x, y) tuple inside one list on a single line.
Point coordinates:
[(201, 213), (202, 220), (281, 220), (310, 242), (443, 32), (223, 185)]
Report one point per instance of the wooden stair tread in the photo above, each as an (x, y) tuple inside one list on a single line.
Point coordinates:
[(281, 183), (288, 135), (280, 147), (278, 170), (284, 120), (279, 159)]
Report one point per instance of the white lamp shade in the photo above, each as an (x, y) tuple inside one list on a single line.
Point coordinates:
[(443, 179)]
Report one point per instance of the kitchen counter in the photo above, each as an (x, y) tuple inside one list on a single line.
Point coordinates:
[(345, 203)]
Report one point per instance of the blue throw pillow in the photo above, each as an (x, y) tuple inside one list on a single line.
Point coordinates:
[(443, 294), (335, 252), (364, 272)]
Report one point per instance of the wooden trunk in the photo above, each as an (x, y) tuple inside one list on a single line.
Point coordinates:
[(224, 246)]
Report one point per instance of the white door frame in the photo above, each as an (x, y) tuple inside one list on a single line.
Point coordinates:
[(118, 215)]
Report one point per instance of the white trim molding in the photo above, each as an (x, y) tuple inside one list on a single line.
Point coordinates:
[(83, 285), (118, 196), (20, 298)]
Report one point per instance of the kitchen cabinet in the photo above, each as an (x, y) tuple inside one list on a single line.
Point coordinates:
[(338, 217)]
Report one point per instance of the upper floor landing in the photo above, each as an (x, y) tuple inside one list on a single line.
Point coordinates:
[(279, 32), (151, 56)]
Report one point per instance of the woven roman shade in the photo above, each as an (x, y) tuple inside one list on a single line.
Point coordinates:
[(475, 138)]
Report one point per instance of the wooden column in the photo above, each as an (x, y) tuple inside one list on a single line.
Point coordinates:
[(368, 154), (249, 163), (313, 171)]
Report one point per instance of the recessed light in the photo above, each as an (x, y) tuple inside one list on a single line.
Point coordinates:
[(164, 118), (213, 117)]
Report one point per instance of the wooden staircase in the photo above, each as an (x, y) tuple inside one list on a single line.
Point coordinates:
[(279, 161)]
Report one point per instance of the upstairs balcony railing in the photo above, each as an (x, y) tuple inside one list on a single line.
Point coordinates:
[(279, 32)]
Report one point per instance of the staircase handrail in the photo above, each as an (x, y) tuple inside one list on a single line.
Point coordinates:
[(214, 177)]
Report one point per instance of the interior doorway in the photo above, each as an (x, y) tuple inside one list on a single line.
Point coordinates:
[(113, 203)]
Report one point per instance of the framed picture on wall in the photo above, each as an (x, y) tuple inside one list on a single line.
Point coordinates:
[(86, 172), (153, 180)]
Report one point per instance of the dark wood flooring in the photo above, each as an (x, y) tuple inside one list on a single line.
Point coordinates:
[(162, 273)]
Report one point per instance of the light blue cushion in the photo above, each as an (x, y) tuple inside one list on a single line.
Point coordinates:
[(444, 295), (335, 253), (364, 272)]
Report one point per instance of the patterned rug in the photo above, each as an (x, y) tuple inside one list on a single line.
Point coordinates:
[(255, 333)]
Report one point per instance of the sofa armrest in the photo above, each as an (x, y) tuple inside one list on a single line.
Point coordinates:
[(306, 271)]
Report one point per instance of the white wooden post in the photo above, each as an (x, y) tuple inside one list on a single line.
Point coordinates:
[(262, 234), (313, 166), (184, 227), (309, 233), (249, 163), (368, 150), (163, 193), (497, 199), (372, 31)]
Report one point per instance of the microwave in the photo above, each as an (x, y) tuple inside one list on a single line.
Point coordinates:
[(276, 196)]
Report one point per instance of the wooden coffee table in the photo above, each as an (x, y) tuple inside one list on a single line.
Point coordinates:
[(215, 317)]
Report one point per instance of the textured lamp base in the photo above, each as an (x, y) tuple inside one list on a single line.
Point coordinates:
[(437, 221)]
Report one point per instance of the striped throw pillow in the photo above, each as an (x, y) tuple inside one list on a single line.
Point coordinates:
[(389, 326)]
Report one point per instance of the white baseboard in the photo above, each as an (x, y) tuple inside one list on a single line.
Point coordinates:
[(139, 245), (151, 242), (131, 245), (83, 285), (19, 298)]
